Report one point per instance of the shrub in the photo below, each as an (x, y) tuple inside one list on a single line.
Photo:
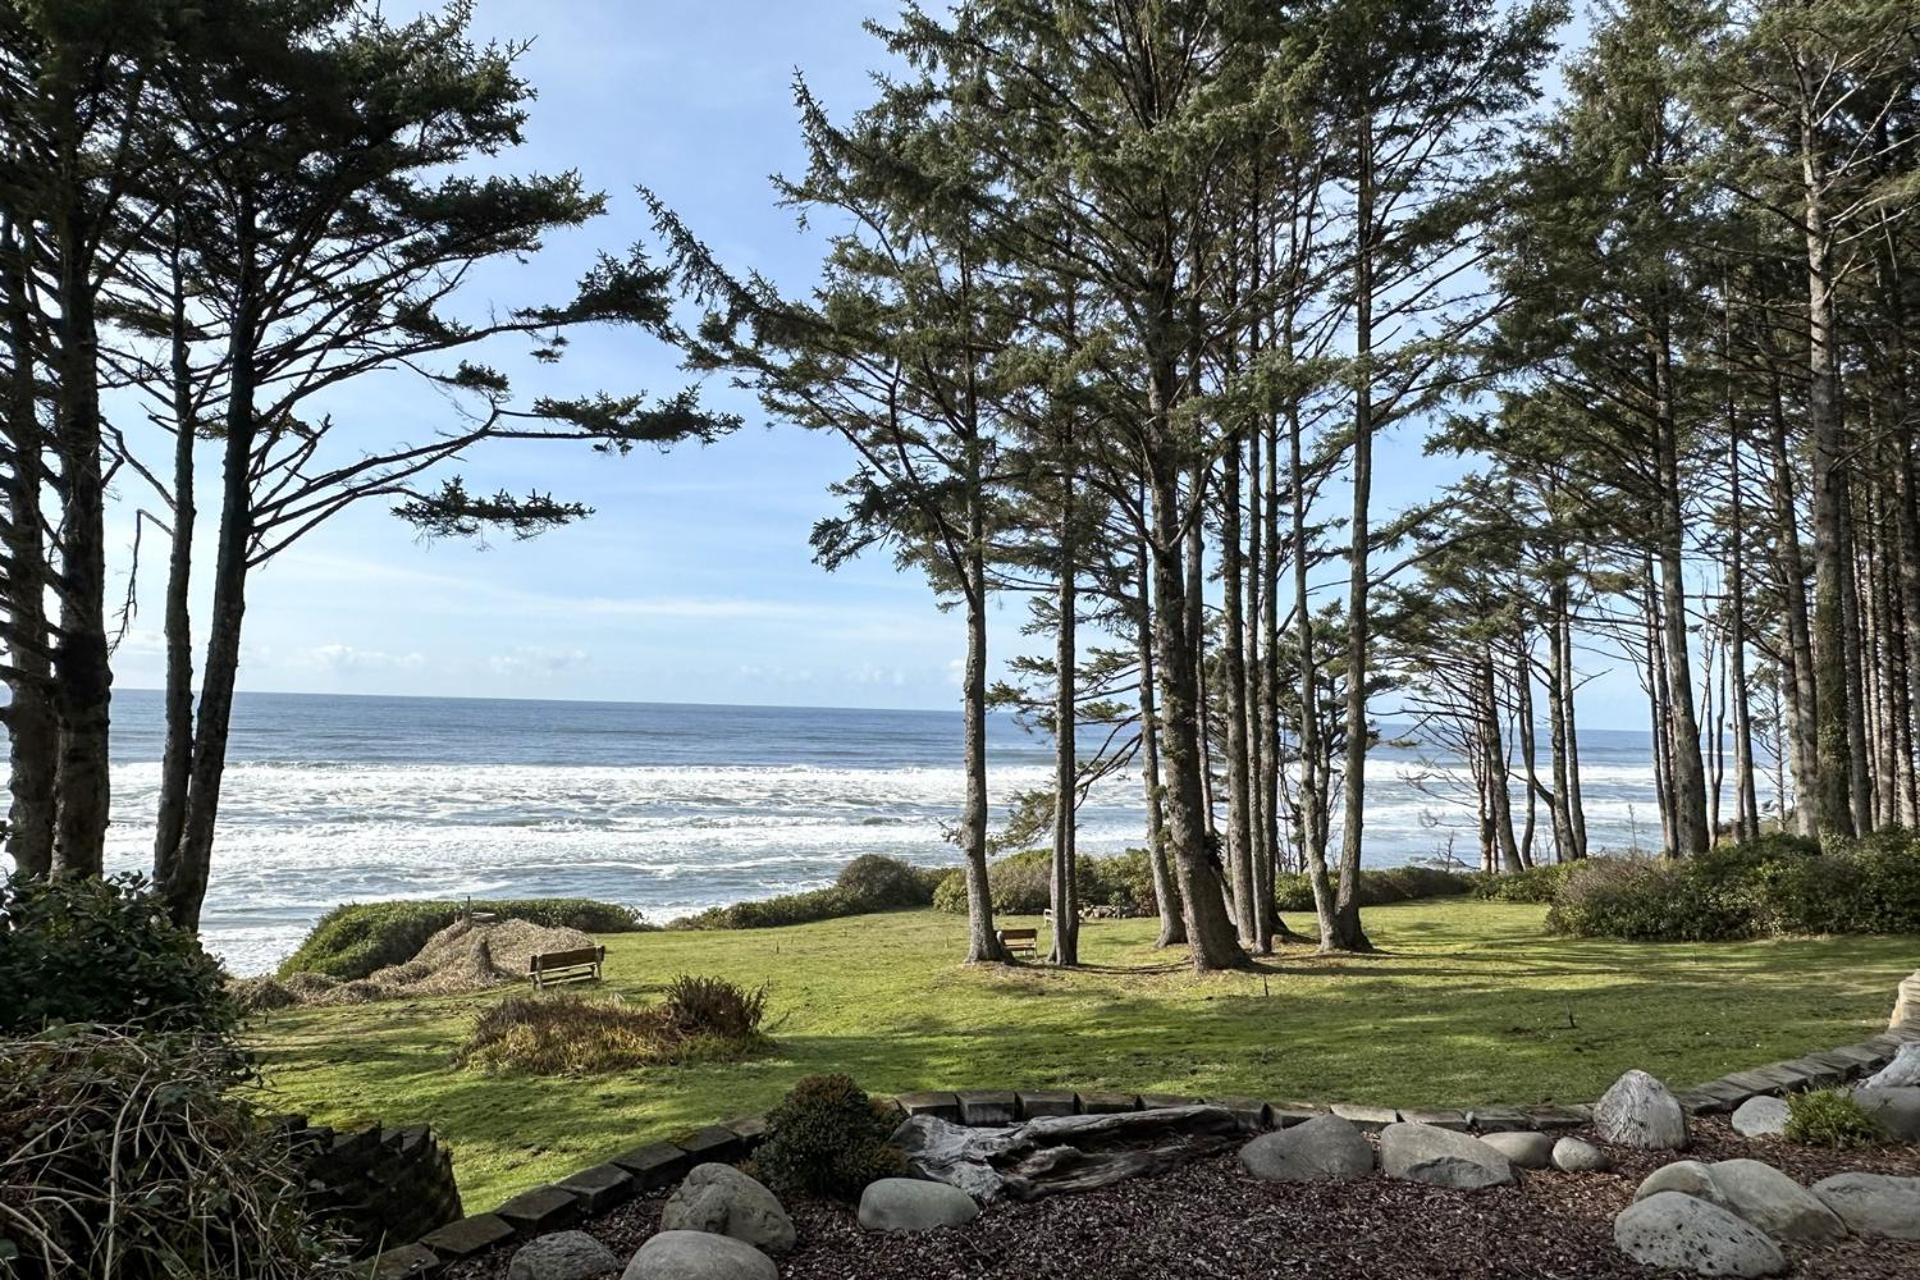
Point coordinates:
[(869, 883), (714, 1006), (567, 1034), (132, 1156), (1022, 883), (826, 1138), (358, 938), (1768, 887), (1294, 891), (1534, 884), (102, 951), (1650, 900), (1829, 1118)]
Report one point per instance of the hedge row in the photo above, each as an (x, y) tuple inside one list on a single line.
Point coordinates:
[(357, 938), (869, 883), (1774, 886)]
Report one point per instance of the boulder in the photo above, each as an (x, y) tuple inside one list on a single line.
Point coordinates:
[(1576, 1155), (698, 1255), (1443, 1157), (1895, 1109), (1682, 1233), (1688, 1177), (1639, 1111), (563, 1255), (914, 1204), (721, 1200), (1760, 1117), (1773, 1202), (1054, 1154), (1323, 1147), (1525, 1150), (1902, 1073), (1874, 1204)]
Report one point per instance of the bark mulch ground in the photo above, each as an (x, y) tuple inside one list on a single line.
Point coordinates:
[(1209, 1220)]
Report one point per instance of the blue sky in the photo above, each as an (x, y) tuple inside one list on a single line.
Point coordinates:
[(694, 580)]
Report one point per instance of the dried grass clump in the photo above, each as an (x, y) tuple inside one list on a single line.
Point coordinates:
[(131, 1156), (566, 1034), (460, 958)]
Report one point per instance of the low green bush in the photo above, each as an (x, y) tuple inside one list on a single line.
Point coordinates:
[(826, 1138), (1293, 891), (1829, 1118), (1775, 886), (870, 883), (1021, 884), (1533, 885), (102, 951), (355, 939)]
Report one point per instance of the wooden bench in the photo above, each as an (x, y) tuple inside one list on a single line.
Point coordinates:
[(1015, 941), (582, 965)]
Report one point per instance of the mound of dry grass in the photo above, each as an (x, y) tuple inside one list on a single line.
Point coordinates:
[(462, 957), (567, 1034)]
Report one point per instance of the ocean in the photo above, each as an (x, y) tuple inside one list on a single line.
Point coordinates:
[(665, 807)]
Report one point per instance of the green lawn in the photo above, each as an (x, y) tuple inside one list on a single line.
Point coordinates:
[(1468, 1002)]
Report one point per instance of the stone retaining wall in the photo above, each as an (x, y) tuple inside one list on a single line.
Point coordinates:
[(658, 1165)]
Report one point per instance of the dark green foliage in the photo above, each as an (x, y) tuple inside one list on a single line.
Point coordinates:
[(1650, 900), (1535, 884), (826, 1138), (1829, 1118), (1774, 886), (1021, 883), (102, 951), (867, 884), (714, 1006), (134, 1157), (1379, 887), (357, 938)]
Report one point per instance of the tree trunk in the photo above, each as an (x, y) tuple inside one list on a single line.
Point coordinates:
[(1166, 896), (1747, 808), (1210, 933), (1576, 808), (83, 679), (1066, 907), (1859, 775), (1833, 764), (1499, 797), (1347, 933), (1233, 660), (1802, 694), (1559, 807), (176, 759), (32, 732), (1689, 800)]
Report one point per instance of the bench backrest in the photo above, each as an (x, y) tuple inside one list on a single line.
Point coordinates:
[(566, 959), (1019, 935)]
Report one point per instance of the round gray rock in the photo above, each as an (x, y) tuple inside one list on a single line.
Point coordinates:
[(1874, 1204), (914, 1204), (1639, 1111), (1323, 1147), (1896, 1109), (1688, 1177), (1773, 1202), (698, 1255), (1526, 1150), (563, 1255), (1427, 1153), (719, 1199), (1760, 1117), (1576, 1155), (1677, 1231)]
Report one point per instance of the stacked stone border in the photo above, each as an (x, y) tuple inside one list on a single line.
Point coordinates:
[(657, 1165)]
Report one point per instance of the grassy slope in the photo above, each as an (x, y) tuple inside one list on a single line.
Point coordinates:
[(1469, 1003)]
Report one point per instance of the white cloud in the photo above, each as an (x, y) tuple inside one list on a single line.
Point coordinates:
[(538, 661), (346, 657)]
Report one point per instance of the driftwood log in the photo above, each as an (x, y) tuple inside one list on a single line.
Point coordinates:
[(1062, 1153)]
